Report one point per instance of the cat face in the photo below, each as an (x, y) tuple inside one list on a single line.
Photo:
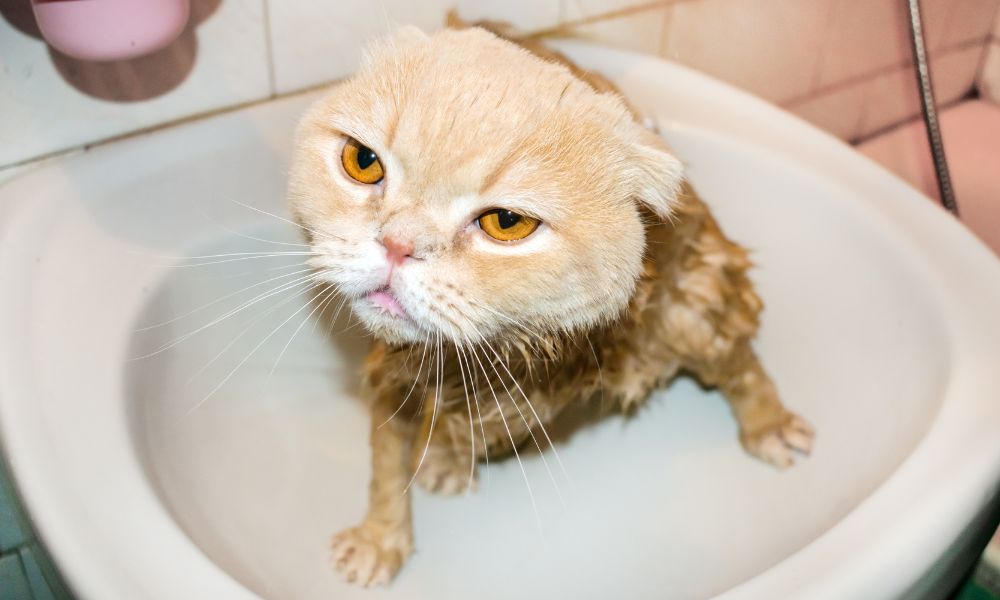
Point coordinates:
[(459, 186)]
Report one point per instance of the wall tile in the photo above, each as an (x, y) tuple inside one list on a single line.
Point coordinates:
[(864, 36), (954, 73), (328, 44), (641, 31), (893, 98), (768, 47), (970, 20), (988, 80), (224, 62), (838, 112), (888, 99)]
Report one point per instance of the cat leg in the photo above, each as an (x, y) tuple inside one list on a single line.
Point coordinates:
[(443, 459), (768, 430), (372, 552)]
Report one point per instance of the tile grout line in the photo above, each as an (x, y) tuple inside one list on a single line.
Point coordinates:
[(269, 47), (881, 71), (164, 125)]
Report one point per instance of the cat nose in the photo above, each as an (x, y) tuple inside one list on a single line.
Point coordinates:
[(397, 250)]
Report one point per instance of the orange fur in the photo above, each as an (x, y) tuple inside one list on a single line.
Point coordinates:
[(630, 281)]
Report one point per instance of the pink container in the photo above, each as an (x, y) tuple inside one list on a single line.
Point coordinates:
[(106, 30)]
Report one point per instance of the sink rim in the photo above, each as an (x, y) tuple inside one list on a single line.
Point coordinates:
[(824, 563)]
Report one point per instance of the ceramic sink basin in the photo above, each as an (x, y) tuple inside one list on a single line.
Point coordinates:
[(172, 439)]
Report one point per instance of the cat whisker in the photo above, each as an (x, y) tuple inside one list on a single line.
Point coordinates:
[(217, 300), (510, 436), (254, 256), (479, 414), (416, 378), (245, 359), (280, 218), (327, 296), (472, 429), (527, 425), (245, 331), (439, 375), (600, 373), (534, 413), (263, 296)]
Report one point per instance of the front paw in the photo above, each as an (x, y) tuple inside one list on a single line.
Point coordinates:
[(368, 556), (775, 441)]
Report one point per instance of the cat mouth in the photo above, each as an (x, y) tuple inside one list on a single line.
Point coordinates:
[(386, 301)]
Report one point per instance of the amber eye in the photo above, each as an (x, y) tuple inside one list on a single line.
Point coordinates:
[(506, 225), (361, 162)]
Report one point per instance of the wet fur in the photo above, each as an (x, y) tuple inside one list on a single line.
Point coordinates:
[(680, 300)]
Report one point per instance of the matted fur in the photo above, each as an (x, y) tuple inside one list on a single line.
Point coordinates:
[(628, 281)]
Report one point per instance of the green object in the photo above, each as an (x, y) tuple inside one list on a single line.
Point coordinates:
[(13, 582), (42, 575), (14, 528)]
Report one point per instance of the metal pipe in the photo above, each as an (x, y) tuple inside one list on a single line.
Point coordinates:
[(930, 109)]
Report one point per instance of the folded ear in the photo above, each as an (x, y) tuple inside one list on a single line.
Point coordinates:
[(657, 174)]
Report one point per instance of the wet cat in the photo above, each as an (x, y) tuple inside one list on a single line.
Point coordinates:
[(517, 242)]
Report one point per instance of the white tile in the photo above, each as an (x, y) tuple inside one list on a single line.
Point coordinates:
[(838, 111), (527, 15), (864, 36), (768, 47), (970, 20), (223, 63), (893, 98), (988, 80), (641, 30), (314, 41)]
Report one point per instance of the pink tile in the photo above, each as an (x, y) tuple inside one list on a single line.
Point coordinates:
[(893, 98), (969, 20), (889, 99), (971, 132), (864, 36), (954, 73), (988, 80), (768, 47), (641, 31), (838, 111)]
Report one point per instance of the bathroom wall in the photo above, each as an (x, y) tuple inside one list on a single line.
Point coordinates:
[(989, 74), (839, 63)]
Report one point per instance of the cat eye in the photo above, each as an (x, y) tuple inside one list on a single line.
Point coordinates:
[(361, 162), (507, 225)]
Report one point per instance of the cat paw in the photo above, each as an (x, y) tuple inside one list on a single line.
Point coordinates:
[(775, 442), (447, 475), (362, 556)]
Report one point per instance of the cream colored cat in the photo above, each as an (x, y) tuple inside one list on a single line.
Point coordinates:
[(517, 242)]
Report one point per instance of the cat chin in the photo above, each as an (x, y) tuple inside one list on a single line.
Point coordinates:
[(391, 328)]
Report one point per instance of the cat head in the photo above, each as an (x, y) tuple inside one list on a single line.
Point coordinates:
[(460, 186)]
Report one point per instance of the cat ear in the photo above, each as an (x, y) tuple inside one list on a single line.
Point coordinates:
[(657, 174)]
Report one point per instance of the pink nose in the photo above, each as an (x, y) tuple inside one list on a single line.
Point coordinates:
[(397, 250)]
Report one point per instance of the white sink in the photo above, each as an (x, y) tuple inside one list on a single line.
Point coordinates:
[(212, 469)]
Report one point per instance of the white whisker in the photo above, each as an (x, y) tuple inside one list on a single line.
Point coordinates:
[(245, 359), (281, 288), (226, 297), (527, 425), (510, 436), (434, 410)]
